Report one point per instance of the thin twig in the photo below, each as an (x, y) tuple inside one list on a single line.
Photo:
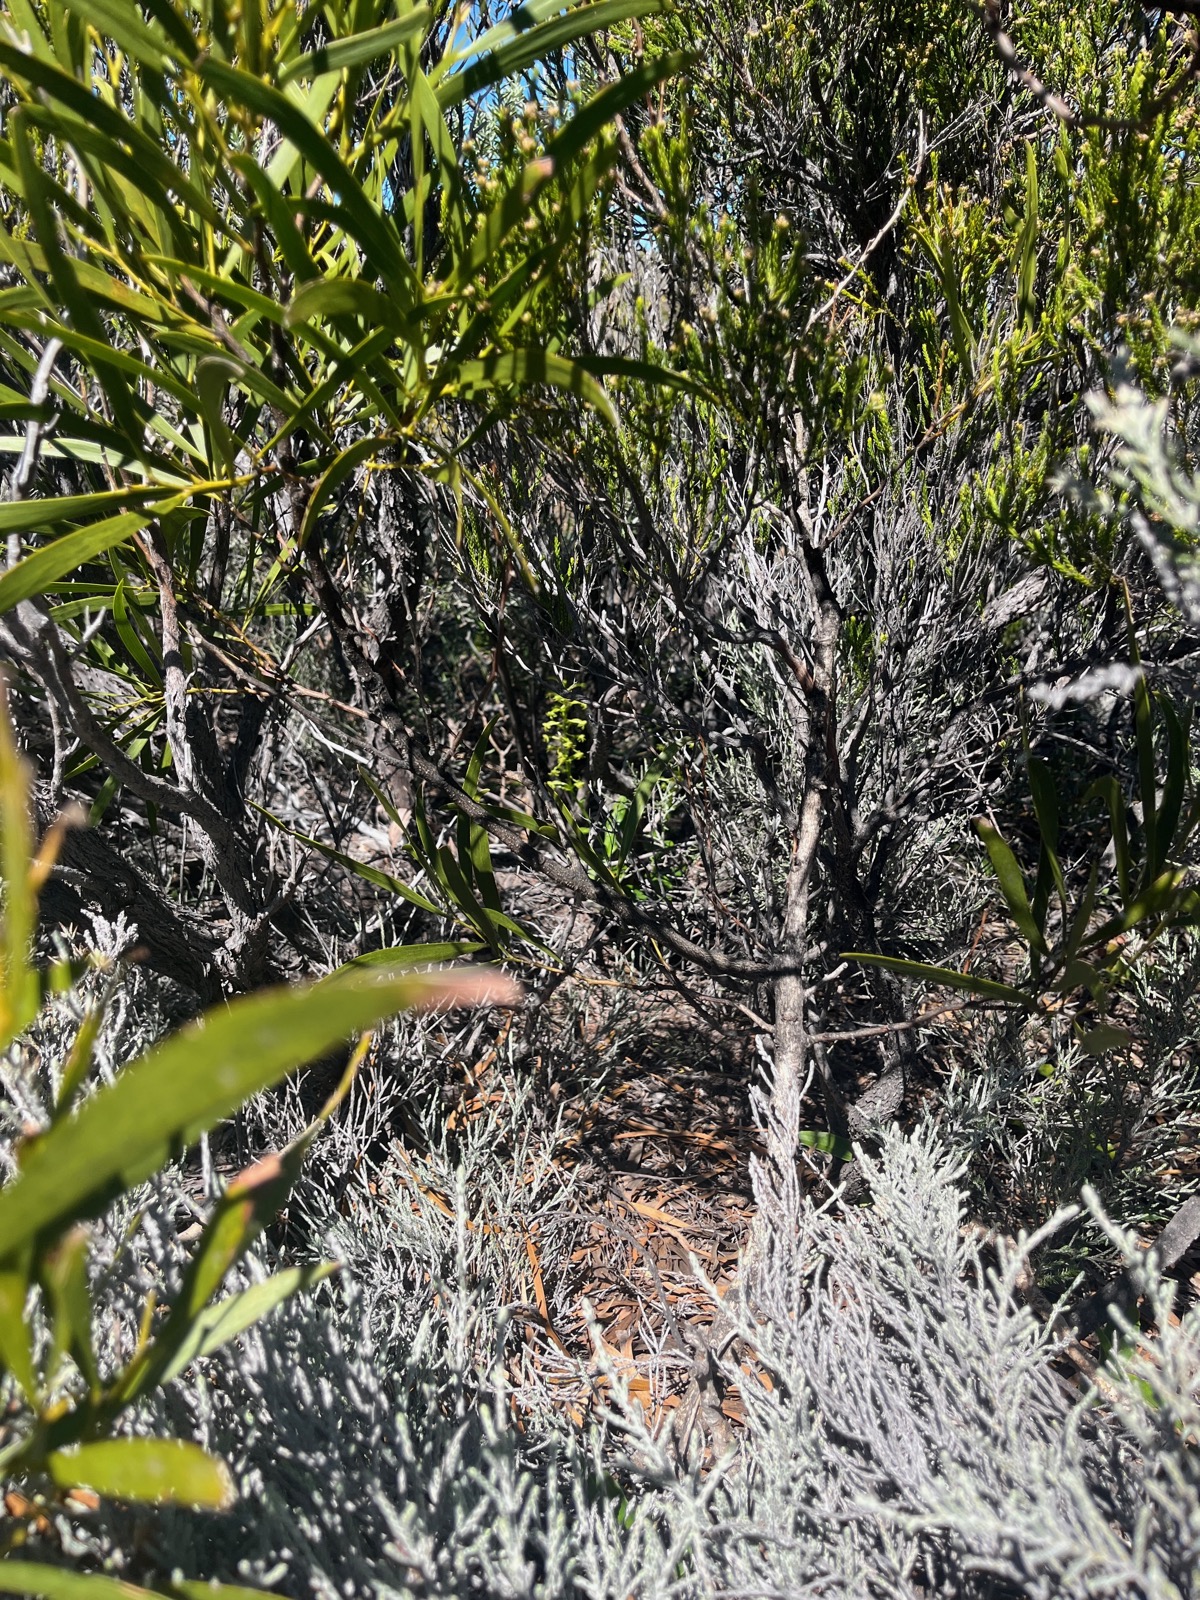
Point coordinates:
[(873, 244)]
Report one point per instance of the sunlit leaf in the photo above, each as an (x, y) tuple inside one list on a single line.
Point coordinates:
[(164, 1101), (145, 1471)]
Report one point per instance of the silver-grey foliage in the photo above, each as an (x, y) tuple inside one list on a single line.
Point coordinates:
[(911, 1425)]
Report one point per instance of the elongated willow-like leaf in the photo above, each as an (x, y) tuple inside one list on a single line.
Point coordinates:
[(830, 1144), (360, 869), (1108, 789), (946, 978), (644, 372), (330, 480), (1175, 785), (513, 206), (148, 1471), (375, 233), (238, 1218), (504, 56), (18, 979), (16, 1353), (24, 516), (1143, 722), (1012, 885), (520, 368), (416, 955), (168, 1098), (65, 1279), (1045, 807), (144, 41), (60, 1583), (356, 49), (41, 570), (216, 1325)]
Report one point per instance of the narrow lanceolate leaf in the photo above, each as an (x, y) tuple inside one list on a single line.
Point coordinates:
[(1171, 800), (18, 980), (1045, 806), (24, 516), (216, 1325), (374, 233), (330, 480), (251, 1200), (946, 978), (1012, 885), (519, 50), (43, 569), (520, 368), (16, 1355), (418, 955), (1143, 718), (1109, 790), (123, 23), (60, 1583), (357, 48), (145, 1471), (644, 372), (830, 1144), (196, 1589), (164, 1101), (336, 297), (65, 1279)]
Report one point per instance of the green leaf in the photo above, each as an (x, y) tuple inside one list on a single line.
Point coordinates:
[(65, 1277), (123, 24), (19, 997), (1012, 885), (372, 231), (1109, 790), (1100, 1040), (1045, 807), (83, 316), (832, 1144), (1143, 719), (464, 899), (337, 297), (27, 516), (1171, 800), (1028, 241), (198, 1589), (520, 368), (216, 1325), (372, 875), (145, 1471), (332, 478), (60, 1583), (355, 49), (42, 570), (945, 977), (125, 620), (16, 1355), (250, 1202), (401, 956), (508, 55), (164, 1101), (645, 372)]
